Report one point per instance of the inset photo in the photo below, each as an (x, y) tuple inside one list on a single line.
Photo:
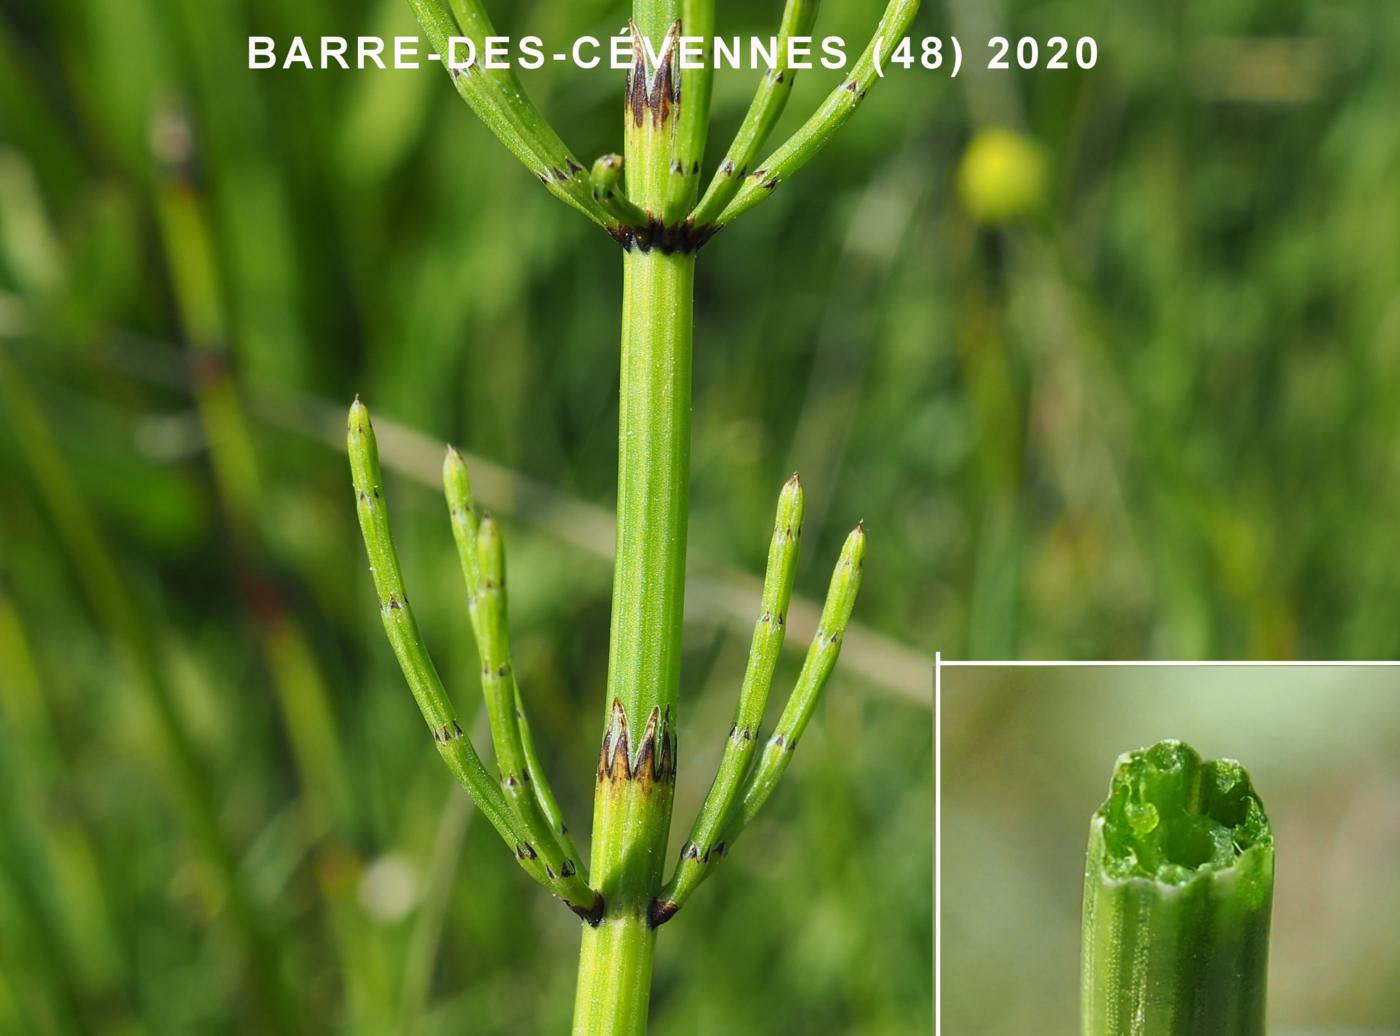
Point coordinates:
[(1169, 850)]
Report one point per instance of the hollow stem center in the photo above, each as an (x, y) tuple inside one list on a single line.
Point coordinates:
[(1171, 816)]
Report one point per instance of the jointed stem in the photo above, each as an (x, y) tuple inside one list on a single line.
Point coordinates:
[(636, 776), (482, 559), (537, 852), (636, 769), (498, 99), (774, 89), (839, 106), (725, 815), (653, 484), (665, 128), (753, 697)]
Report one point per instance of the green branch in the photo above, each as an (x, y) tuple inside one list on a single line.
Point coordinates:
[(466, 524), (693, 118), (1178, 887), (763, 778), (811, 680), (771, 98), (840, 105), (537, 853), (610, 191), (499, 101), (767, 645), (502, 709)]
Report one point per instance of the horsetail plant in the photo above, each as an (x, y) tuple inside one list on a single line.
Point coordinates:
[(1178, 886), (649, 200)]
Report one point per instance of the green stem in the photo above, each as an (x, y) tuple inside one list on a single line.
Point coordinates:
[(739, 746), (769, 100), (653, 482), (636, 768), (1178, 887), (614, 978), (510, 729), (636, 774), (498, 99), (535, 849), (840, 105)]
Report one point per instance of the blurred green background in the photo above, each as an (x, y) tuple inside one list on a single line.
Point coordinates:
[(220, 808), (1026, 759)]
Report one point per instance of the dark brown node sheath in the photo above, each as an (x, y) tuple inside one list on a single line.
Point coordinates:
[(654, 760), (590, 915), (682, 238), (653, 94), (662, 910)]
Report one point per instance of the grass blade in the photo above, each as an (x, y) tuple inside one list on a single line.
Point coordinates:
[(136, 638)]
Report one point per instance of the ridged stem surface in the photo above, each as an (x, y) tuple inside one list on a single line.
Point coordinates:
[(636, 773), (636, 768), (1178, 888)]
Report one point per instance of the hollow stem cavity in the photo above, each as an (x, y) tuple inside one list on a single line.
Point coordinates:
[(1178, 888)]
